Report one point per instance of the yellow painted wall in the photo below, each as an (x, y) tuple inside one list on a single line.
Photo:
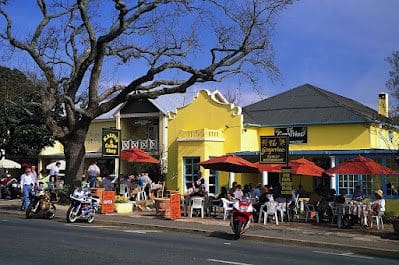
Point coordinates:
[(93, 138), (205, 112)]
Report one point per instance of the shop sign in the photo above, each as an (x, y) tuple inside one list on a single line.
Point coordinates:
[(110, 142), (273, 150), (286, 181), (297, 135)]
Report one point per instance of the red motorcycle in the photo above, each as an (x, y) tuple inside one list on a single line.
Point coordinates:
[(241, 217)]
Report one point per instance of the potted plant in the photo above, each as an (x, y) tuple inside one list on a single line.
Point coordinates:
[(123, 205)]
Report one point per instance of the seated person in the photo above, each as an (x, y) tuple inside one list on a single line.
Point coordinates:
[(223, 194), (378, 206), (315, 198), (256, 192), (238, 194), (341, 197), (357, 194), (302, 192)]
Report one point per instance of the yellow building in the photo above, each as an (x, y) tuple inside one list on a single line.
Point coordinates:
[(323, 127)]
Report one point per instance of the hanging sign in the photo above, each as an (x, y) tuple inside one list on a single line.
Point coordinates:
[(297, 135), (110, 142), (286, 181), (273, 150)]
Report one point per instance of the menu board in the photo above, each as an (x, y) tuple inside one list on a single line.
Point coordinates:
[(273, 150), (286, 181)]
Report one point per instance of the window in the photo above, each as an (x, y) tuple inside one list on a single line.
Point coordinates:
[(368, 184), (190, 170), (390, 136), (392, 181), (348, 183), (213, 181)]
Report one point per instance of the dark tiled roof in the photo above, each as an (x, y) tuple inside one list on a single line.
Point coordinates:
[(308, 104)]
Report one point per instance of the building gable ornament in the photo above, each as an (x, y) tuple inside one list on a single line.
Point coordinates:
[(216, 97)]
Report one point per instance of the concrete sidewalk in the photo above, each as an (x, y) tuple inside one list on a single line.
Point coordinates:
[(357, 240)]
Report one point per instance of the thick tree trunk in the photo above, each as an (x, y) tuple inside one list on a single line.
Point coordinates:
[(74, 150)]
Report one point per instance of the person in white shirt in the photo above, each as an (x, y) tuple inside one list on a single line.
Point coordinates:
[(26, 187), (92, 173), (54, 171)]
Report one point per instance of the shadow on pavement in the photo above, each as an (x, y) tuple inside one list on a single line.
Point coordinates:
[(222, 235), (391, 236)]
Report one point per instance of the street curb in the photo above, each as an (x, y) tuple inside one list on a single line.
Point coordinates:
[(290, 241)]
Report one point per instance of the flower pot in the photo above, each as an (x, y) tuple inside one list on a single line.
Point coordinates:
[(125, 207), (395, 224)]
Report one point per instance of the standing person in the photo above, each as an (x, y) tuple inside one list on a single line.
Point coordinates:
[(199, 183), (26, 187), (93, 172), (54, 172), (34, 176)]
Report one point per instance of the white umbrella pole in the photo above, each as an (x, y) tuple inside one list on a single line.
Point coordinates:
[(231, 179)]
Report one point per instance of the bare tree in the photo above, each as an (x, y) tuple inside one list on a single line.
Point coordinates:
[(167, 46), (393, 81)]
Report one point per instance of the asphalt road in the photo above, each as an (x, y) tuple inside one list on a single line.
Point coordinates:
[(49, 242)]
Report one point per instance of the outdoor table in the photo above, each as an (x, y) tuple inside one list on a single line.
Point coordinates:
[(360, 210), (302, 203)]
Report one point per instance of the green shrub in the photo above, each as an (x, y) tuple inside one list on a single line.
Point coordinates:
[(387, 217), (63, 194)]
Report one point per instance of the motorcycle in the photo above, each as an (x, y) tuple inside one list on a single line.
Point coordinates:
[(241, 217), (40, 205), (83, 206), (10, 188)]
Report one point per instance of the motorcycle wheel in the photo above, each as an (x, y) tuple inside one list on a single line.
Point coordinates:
[(51, 212), (29, 213), (90, 219), (237, 232), (70, 215)]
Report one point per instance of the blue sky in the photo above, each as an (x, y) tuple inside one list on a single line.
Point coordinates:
[(338, 45)]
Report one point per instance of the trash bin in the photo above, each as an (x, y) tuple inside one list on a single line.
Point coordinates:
[(173, 211), (108, 200)]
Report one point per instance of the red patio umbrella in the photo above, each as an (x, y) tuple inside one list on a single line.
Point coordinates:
[(299, 166), (137, 155), (273, 168), (230, 163), (361, 165), (305, 167)]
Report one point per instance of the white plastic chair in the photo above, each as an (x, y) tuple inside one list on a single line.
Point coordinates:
[(197, 203), (309, 209), (271, 210), (227, 207), (378, 220)]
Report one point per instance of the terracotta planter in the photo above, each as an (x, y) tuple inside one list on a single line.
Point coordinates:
[(125, 207), (395, 224)]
